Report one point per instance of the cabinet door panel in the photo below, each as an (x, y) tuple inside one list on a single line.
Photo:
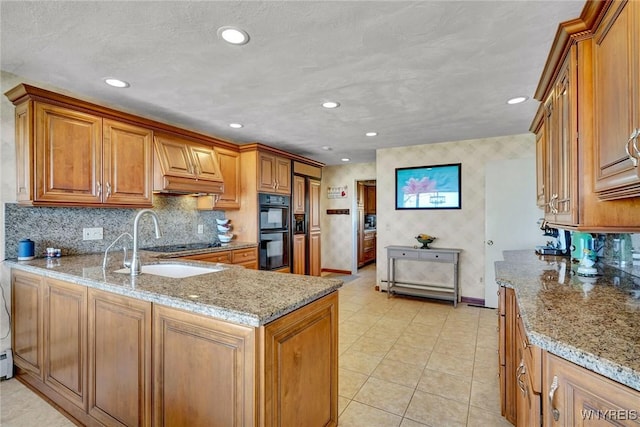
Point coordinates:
[(266, 173), (26, 312), (615, 82), (283, 175), (212, 383), (174, 156), (314, 205), (206, 163), (68, 155), (315, 254), (119, 359), (65, 340), (303, 345), (127, 164), (299, 254), (584, 398), (229, 162), (298, 199)]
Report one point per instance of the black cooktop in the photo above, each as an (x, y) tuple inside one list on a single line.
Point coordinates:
[(182, 247)]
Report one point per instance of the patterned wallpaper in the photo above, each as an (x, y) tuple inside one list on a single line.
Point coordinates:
[(454, 228)]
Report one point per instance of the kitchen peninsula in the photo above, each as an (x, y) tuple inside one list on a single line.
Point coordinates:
[(234, 347), (568, 344)]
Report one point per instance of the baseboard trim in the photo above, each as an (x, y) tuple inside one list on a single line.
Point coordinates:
[(473, 301), (331, 270)]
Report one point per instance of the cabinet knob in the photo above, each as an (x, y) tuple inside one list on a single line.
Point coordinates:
[(99, 188), (108, 189)]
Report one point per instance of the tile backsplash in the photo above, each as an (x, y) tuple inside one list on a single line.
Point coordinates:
[(61, 227)]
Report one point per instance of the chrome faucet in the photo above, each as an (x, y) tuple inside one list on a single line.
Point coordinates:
[(134, 264), (124, 248)]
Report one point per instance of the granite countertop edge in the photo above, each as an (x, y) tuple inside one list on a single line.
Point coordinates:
[(608, 368), (216, 311)]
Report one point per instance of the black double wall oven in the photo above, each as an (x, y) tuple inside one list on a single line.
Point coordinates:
[(274, 231)]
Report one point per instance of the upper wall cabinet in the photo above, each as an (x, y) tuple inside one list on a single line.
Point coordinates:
[(69, 156), (572, 162), (617, 101), (185, 166), (274, 174), (229, 162)]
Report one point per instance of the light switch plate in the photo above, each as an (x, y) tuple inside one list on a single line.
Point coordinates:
[(200, 228)]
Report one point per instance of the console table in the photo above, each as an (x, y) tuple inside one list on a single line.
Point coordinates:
[(410, 253)]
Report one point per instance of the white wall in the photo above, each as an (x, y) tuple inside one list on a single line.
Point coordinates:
[(462, 228)]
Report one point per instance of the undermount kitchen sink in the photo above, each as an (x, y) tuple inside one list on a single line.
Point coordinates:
[(176, 271)]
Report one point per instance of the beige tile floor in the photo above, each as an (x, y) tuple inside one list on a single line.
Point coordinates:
[(403, 362)]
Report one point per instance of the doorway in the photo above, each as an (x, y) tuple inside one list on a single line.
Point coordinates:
[(365, 222)]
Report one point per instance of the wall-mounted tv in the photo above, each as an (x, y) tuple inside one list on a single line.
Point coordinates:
[(429, 187)]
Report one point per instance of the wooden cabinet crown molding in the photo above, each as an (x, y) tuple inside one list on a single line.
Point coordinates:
[(24, 92), (567, 32), (256, 146)]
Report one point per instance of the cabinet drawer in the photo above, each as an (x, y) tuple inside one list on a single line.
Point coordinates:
[(436, 256), (223, 257), (243, 255), (399, 253)]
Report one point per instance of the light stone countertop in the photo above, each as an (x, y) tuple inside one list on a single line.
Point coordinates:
[(234, 294), (592, 322)]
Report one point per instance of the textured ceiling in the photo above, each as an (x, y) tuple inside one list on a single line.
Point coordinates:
[(415, 72)]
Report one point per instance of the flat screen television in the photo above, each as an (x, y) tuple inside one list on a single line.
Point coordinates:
[(429, 187)]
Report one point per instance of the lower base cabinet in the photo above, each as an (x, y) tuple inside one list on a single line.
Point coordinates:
[(539, 388), (151, 365), (578, 397), (119, 359)]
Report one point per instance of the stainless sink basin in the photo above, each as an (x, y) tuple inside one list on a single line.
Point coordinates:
[(176, 271)]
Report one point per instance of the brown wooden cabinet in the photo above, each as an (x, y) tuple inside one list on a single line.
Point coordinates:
[(119, 375), (560, 129), (299, 195), (274, 174), (70, 157), (315, 229), (541, 164), (183, 165), (65, 340), (299, 252), (27, 338), (127, 161), (575, 396), (528, 379), (229, 162), (566, 126), (302, 344), (370, 200), (507, 353), (617, 101), (247, 257), (204, 370), (108, 359)]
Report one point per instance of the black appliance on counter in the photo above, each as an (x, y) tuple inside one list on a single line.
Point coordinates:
[(274, 231)]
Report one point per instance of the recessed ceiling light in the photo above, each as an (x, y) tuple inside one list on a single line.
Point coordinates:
[(371, 133), (330, 104), (235, 125), (326, 148), (233, 35), (116, 82), (517, 100), (345, 159)]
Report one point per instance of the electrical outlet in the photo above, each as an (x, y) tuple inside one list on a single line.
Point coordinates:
[(94, 233), (200, 228)]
